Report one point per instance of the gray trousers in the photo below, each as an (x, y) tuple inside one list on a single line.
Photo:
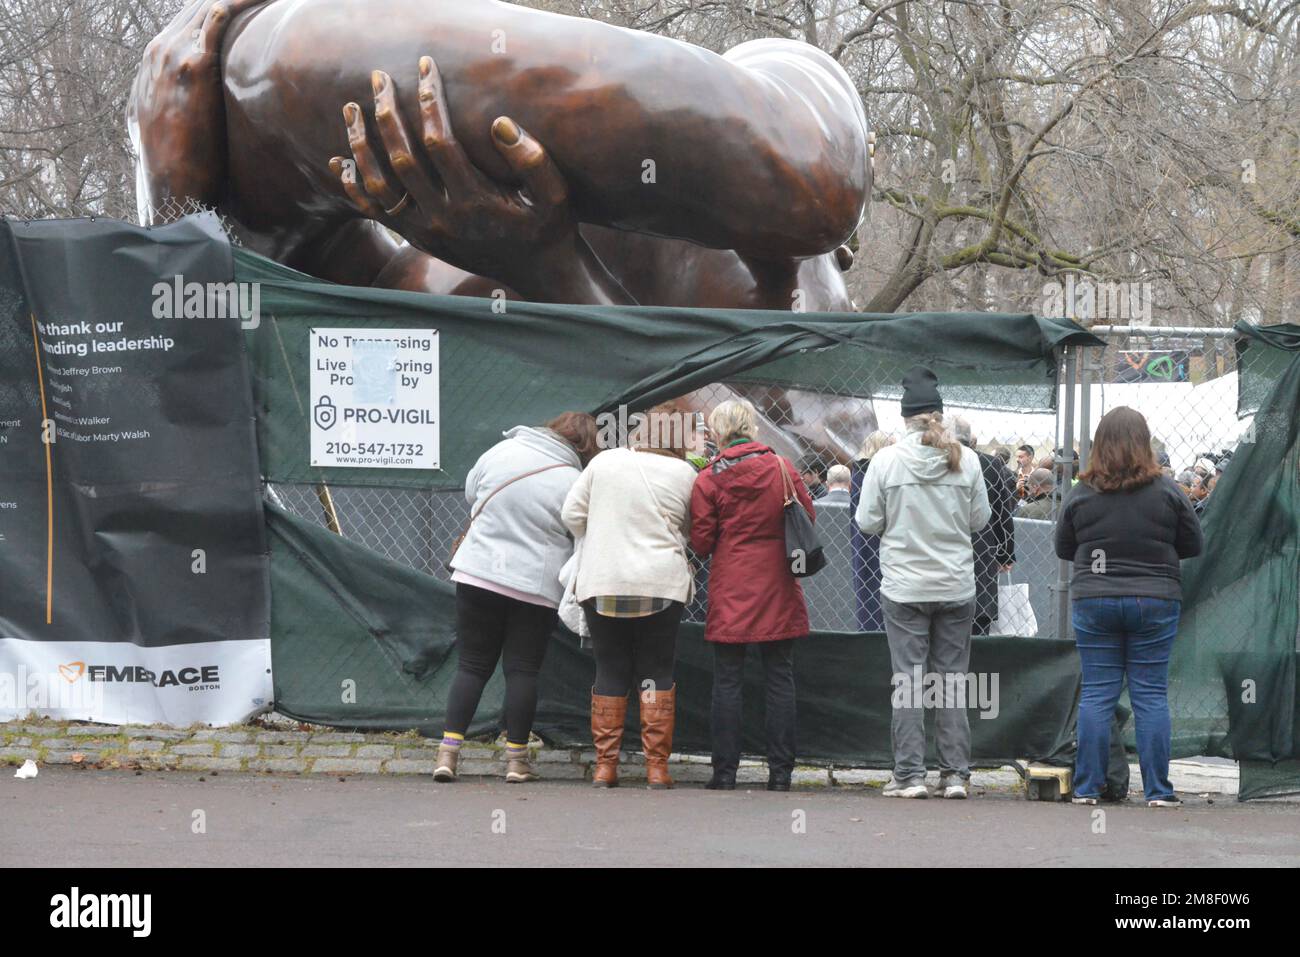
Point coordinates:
[(931, 639)]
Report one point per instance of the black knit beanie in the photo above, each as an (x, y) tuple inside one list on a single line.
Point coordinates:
[(921, 392)]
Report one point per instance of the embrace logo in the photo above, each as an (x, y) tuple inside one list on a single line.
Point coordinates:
[(102, 910), (71, 672)]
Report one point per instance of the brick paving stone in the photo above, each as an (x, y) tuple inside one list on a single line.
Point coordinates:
[(157, 734), (67, 757), (240, 750), (277, 764), (551, 756), (198, 748), (282, 737), (146, 745), (202, 763), (326, 751), (404, 766)]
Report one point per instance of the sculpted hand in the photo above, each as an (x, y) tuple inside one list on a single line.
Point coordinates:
[(176, 112), (523, 235)]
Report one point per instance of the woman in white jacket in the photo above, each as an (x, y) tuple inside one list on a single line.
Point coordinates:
[(505, 571), (924, 497), (633, 581)]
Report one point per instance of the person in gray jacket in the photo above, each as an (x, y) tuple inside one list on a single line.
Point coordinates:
[(506, 572), (925, 497)]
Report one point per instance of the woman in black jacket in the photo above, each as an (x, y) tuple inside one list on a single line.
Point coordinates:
[(1126, 527)]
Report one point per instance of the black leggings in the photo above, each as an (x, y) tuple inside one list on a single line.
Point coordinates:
[(492, 628), (630, 651)]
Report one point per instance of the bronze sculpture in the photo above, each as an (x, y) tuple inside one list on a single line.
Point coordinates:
[(558, 158)]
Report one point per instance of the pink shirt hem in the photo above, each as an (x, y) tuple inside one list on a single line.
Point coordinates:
[(466, 579)]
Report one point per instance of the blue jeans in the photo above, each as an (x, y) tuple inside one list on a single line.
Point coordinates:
[(1117, 637)]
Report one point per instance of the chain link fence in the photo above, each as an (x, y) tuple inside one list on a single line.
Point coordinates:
[(830, 435), (1183, 381)]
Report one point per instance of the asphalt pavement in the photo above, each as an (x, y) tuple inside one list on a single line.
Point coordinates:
[(74, 817)]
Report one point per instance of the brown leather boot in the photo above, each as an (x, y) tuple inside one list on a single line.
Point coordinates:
[(658, 714), (608, 715)]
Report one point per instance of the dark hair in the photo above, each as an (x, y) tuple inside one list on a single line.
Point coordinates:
[(1122, 458), (813, 463), (1027, 449), (579, 430), (1004, 454)]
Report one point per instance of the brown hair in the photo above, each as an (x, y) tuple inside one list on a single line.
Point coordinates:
[(936, 434), (664, 430), (1122, 458), (579, 430)]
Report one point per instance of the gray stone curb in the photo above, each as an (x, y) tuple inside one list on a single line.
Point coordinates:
[(262, 750)]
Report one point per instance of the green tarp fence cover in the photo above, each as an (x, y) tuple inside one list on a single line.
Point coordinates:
[(342, 613), (1233, 678), (532, 360)]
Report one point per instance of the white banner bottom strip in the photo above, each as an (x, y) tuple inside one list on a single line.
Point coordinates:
[(213, 682)]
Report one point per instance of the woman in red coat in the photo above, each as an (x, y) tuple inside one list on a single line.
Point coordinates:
[(738, 517)]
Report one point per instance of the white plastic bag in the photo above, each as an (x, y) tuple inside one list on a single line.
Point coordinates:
[(1015, 614), (570, 611)]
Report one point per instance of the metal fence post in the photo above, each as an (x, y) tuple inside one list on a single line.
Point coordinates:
[(1065, 463), (1086, 359)]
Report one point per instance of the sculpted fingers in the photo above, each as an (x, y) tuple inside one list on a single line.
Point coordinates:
[(530, 162), (397, 143), (346, 170), (371, 173), (209, 20), (458, 175)]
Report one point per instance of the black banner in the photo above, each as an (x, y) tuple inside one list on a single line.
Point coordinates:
[(132, 544)]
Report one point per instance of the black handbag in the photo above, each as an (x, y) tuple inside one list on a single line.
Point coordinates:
[(803, 547)]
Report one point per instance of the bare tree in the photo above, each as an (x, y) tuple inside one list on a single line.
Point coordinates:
[(65, 69)]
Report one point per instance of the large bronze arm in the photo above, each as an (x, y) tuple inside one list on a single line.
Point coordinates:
[(763, 151)]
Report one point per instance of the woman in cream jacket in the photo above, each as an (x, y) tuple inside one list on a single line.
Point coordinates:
[(632, 508)]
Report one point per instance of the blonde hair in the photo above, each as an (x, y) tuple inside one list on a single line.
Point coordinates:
[(733, 419), (873, 443), (936, 435)]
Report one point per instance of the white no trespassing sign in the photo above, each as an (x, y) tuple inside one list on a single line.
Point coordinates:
[(374, 398)]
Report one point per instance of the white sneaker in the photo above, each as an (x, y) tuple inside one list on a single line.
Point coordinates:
[(1165, 802), (1083, 800), (896, 789), (953, 786)]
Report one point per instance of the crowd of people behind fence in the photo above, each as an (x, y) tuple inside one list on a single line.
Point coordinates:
[(611, 536)]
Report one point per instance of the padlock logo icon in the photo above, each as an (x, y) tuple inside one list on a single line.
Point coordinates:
[(325, 413)]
